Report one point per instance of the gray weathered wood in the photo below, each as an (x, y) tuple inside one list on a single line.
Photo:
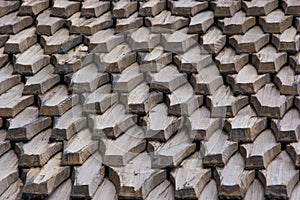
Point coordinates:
[(269, 103), (106, 190), (268, 60), (136, 179), (48, 25), (213, 40), (201, 22), (259, 7), (68, 124), (252, 41), (64, 8), (294, 61), (143, 39), (14, 191), (43, 181), (27, 124), (79, 148), (3, 57), (255, 191), (225, 8), (32, 7), (4, 143), (124, 8), (151, 8), (210, 191), (12, 101), (186, 8), (281, 185), (131, 23), (190, 178), (291, 7), (7, 78), (218, 149), (37, 60), (247, 81), (261, 152), (94, 8), (38, 150), (288, 40), (233, 180), (287, 81), (293, 150), (275, 22), (163, 191), (8, 7), (63, 192), (12, 24)]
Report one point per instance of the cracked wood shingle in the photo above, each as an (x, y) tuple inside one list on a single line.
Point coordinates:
[(261, 152), (225, 8), (31, 66), (21, 41), (233, 180), (128, 79), (154, 60), (275, 22), (229, 62), (141, 100), (268, 60), (60, 42), (143, 39), (218, 149), (48, 25), (88, 177), (186, 8), (43, 181), (287, 129), (190, 178), (130, 23), (259, 7), (94, 8), (79, 148), (268, 102), (151, 8), (174, 151), (247, 81), (37, 151), (251, 42), (12, 101), (68, 124), (33, 7), (82, 25), (124, 8), (88, 79), (7, 78), (207, 81), (213, 40), (165, 22), (114, 122), (161, 126), (27, 124), (245, 126), (182, 101), (12, 23), (202, 125), (223, 103), (122, 150), (56, 101), (64, 8), (136, 179), (100, 100), (287, 81), (42, 81), (281, 185), (201, 22), (288, 40), (239, 23)]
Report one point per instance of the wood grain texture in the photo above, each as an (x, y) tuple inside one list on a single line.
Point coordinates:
[(27, 124), (151, 8), (287, 81), (279, 186), (269, 103), (210, 191), (268, 60), (31, 66), (229, 62), (48, 25), (43, 181), (126, 147), (124, 8), (7, 78), (14, 191), (291, 7), (130, 23), (245, 126), (136, 179), (63, 191), (64, 8), (8, 7), (4, 143), (3, 57), (31, 7), (88, 177), (261, 152), (94, 8), (288, 40), (164, 191), (142, 39), (12, 101), (234, 181), (201, 22), (239, 23), (275, 22), (190, 178), (12, 23), (294, 61), (38, 151), (259, 7), (247, 81), (106, 190), (251, 42), (223, 103), (255, 191), (186, 8), (68, 124), (225, 8), (218, 149), (213, 40)]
